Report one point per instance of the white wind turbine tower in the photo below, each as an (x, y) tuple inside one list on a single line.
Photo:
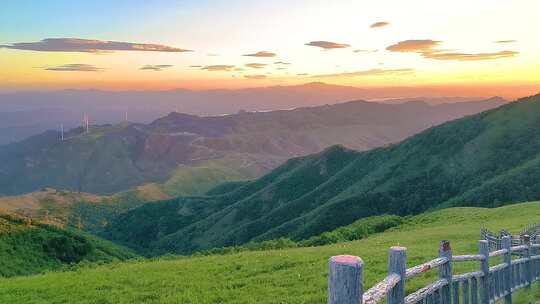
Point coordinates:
[(86, 123), (62, 132)]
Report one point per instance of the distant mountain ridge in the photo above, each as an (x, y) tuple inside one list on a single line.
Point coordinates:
[(68, 106), (113, 158), (488, 159)]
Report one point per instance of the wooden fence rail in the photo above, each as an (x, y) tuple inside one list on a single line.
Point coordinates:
[(520, 267), (495, 240)]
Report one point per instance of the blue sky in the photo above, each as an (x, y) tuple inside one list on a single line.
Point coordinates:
[(456, 42)]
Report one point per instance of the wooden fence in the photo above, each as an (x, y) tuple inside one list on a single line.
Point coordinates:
[(495, 240), (520, 267)]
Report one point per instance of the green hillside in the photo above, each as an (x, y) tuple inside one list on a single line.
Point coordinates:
[(30, 248), (275, 276), (482, 160), (190, 154)]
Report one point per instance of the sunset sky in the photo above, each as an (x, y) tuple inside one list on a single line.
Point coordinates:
[(233, 44)]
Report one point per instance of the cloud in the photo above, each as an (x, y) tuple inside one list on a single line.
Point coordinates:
[(256, 65), (327, 45), (195, 66), (427, 49), (282, 62), (89, 46), (413, 46), (372, 72), (379, 24), (255, 76), (469, 57), (212, 55), (261, 54), (505, 41), (219, 67), (157, 67), (74, 67), (302, 74), (365, 51)]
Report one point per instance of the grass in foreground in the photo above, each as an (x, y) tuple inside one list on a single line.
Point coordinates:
[(279, 276)]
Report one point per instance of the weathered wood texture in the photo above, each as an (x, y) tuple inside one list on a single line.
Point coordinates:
[(485, 286), (397, 259), (445, 271), (345, 280)]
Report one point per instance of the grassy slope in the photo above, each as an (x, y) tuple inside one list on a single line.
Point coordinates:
[(29, 248), (198, 179), (278, 276), (91, 212), (458, 163)]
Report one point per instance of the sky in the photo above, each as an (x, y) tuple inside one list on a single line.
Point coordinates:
[(158, 45)]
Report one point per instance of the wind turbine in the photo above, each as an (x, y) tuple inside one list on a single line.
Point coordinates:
[(86, 123)]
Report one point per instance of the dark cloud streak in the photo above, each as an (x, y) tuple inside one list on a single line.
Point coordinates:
[(379, 24), (74, 67), (327, 45), (157, 67), (217, 68), (261, 54), (89, 46)]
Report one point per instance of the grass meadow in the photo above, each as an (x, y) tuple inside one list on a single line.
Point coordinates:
[(276, 276)]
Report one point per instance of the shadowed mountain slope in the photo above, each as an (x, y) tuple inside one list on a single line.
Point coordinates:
[(454, 164)]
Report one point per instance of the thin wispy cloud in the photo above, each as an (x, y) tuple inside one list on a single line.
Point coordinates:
[(256, 65), (469, 57), (428, 49), (74, 67), (261, 54), (156, 67), (372, 72), (365, 51), (282, 63), (218, 67), (89, 46), (328, 45), (505, 41), (255, 76), (195, 66), (379, 24), (414, 46)]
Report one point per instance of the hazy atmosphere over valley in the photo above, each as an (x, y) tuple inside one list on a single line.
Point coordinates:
[(298, 151)]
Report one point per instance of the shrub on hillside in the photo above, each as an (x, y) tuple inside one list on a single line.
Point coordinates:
[(355, 231)]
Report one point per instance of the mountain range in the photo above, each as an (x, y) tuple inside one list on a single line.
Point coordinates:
[(189, 154), (29, 113), (488, 159)]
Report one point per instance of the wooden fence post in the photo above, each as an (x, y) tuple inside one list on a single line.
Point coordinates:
[(536, 263), (507, 259), (397, 260), (527, 264), (345, 280), (484, 268), (445, 271)]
